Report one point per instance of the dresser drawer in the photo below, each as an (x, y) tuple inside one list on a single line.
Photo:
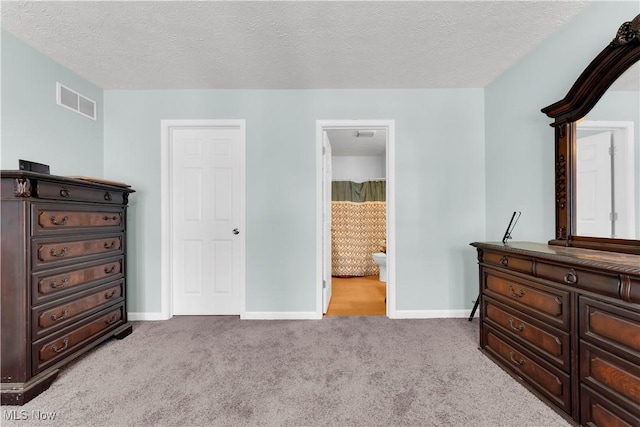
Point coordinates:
[(613, 377), (51, 219), (596, 411), (58, 251), (79, 193), (610, 327), (541, 302), (61, 313), (61, 281), (552, 344), (600, 283), (511, 262), (542, 376), (50, 350)]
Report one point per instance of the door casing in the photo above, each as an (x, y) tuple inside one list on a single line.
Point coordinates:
[(389, 127), (166, 127), (327, 285)]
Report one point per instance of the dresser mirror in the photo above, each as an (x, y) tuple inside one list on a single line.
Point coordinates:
[(607, 169), (597, 159)]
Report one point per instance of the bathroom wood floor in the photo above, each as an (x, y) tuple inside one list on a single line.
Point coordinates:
[(358, 296)]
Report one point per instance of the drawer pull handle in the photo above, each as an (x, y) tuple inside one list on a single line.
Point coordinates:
[(109, 295), (65, 345), (112, 218), (110, 269), (54, 221), (64, 193), (111, 320), (110, 245), (54, 284), (571, 278), (504, 261), (62, 253), (519, 362), (519, 328), (107, 196), (516, 295), (56, 318)]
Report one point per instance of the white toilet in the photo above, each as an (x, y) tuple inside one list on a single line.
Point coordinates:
[(381, 259)]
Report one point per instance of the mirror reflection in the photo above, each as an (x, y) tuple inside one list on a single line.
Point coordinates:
[(608, 163)]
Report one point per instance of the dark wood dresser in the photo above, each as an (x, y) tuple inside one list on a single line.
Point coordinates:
[(566, 323), (63, 275)]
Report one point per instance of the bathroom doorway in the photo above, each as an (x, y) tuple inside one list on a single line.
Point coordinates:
[(362, 152)]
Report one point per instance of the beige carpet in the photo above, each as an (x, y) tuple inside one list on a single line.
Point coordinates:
[(339, 371)]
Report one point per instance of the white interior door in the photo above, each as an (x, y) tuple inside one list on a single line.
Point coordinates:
[(594, 185), (326, 222), (206, 239)]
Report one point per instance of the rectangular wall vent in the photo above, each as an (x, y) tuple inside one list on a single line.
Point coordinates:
[(72, 100)]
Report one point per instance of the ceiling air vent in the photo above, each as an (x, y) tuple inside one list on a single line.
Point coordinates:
[(72, 100)]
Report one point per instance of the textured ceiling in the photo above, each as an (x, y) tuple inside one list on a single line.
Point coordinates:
[(275, 45)]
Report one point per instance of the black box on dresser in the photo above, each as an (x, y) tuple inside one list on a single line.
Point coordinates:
[(63, 263)]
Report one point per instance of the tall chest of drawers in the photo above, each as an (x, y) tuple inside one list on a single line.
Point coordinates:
[(63, 264), (566, 323)]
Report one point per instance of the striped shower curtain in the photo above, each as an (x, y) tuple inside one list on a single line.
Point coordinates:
[(358, 226)]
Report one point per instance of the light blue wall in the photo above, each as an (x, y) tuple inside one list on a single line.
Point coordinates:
[(34, 127), (519, 141), (440, 200)]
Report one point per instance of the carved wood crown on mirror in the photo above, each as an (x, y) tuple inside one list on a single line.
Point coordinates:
[(616, 58)]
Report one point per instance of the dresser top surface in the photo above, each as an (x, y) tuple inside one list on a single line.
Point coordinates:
[(626, 263), (12, 174)]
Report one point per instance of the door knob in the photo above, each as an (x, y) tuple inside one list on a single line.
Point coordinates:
[(236, 231)]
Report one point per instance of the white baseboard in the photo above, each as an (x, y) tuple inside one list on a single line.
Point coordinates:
[(433, 314), (281, 315), (137, 316), (312, 315)]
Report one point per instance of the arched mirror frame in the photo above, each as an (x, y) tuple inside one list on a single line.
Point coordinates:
[(602, 72)]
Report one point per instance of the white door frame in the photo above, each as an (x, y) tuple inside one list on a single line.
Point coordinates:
[(166, 128), (327, 283), (389, 127)]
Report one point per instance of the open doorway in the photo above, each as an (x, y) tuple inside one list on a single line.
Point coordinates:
[(359, 153)]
